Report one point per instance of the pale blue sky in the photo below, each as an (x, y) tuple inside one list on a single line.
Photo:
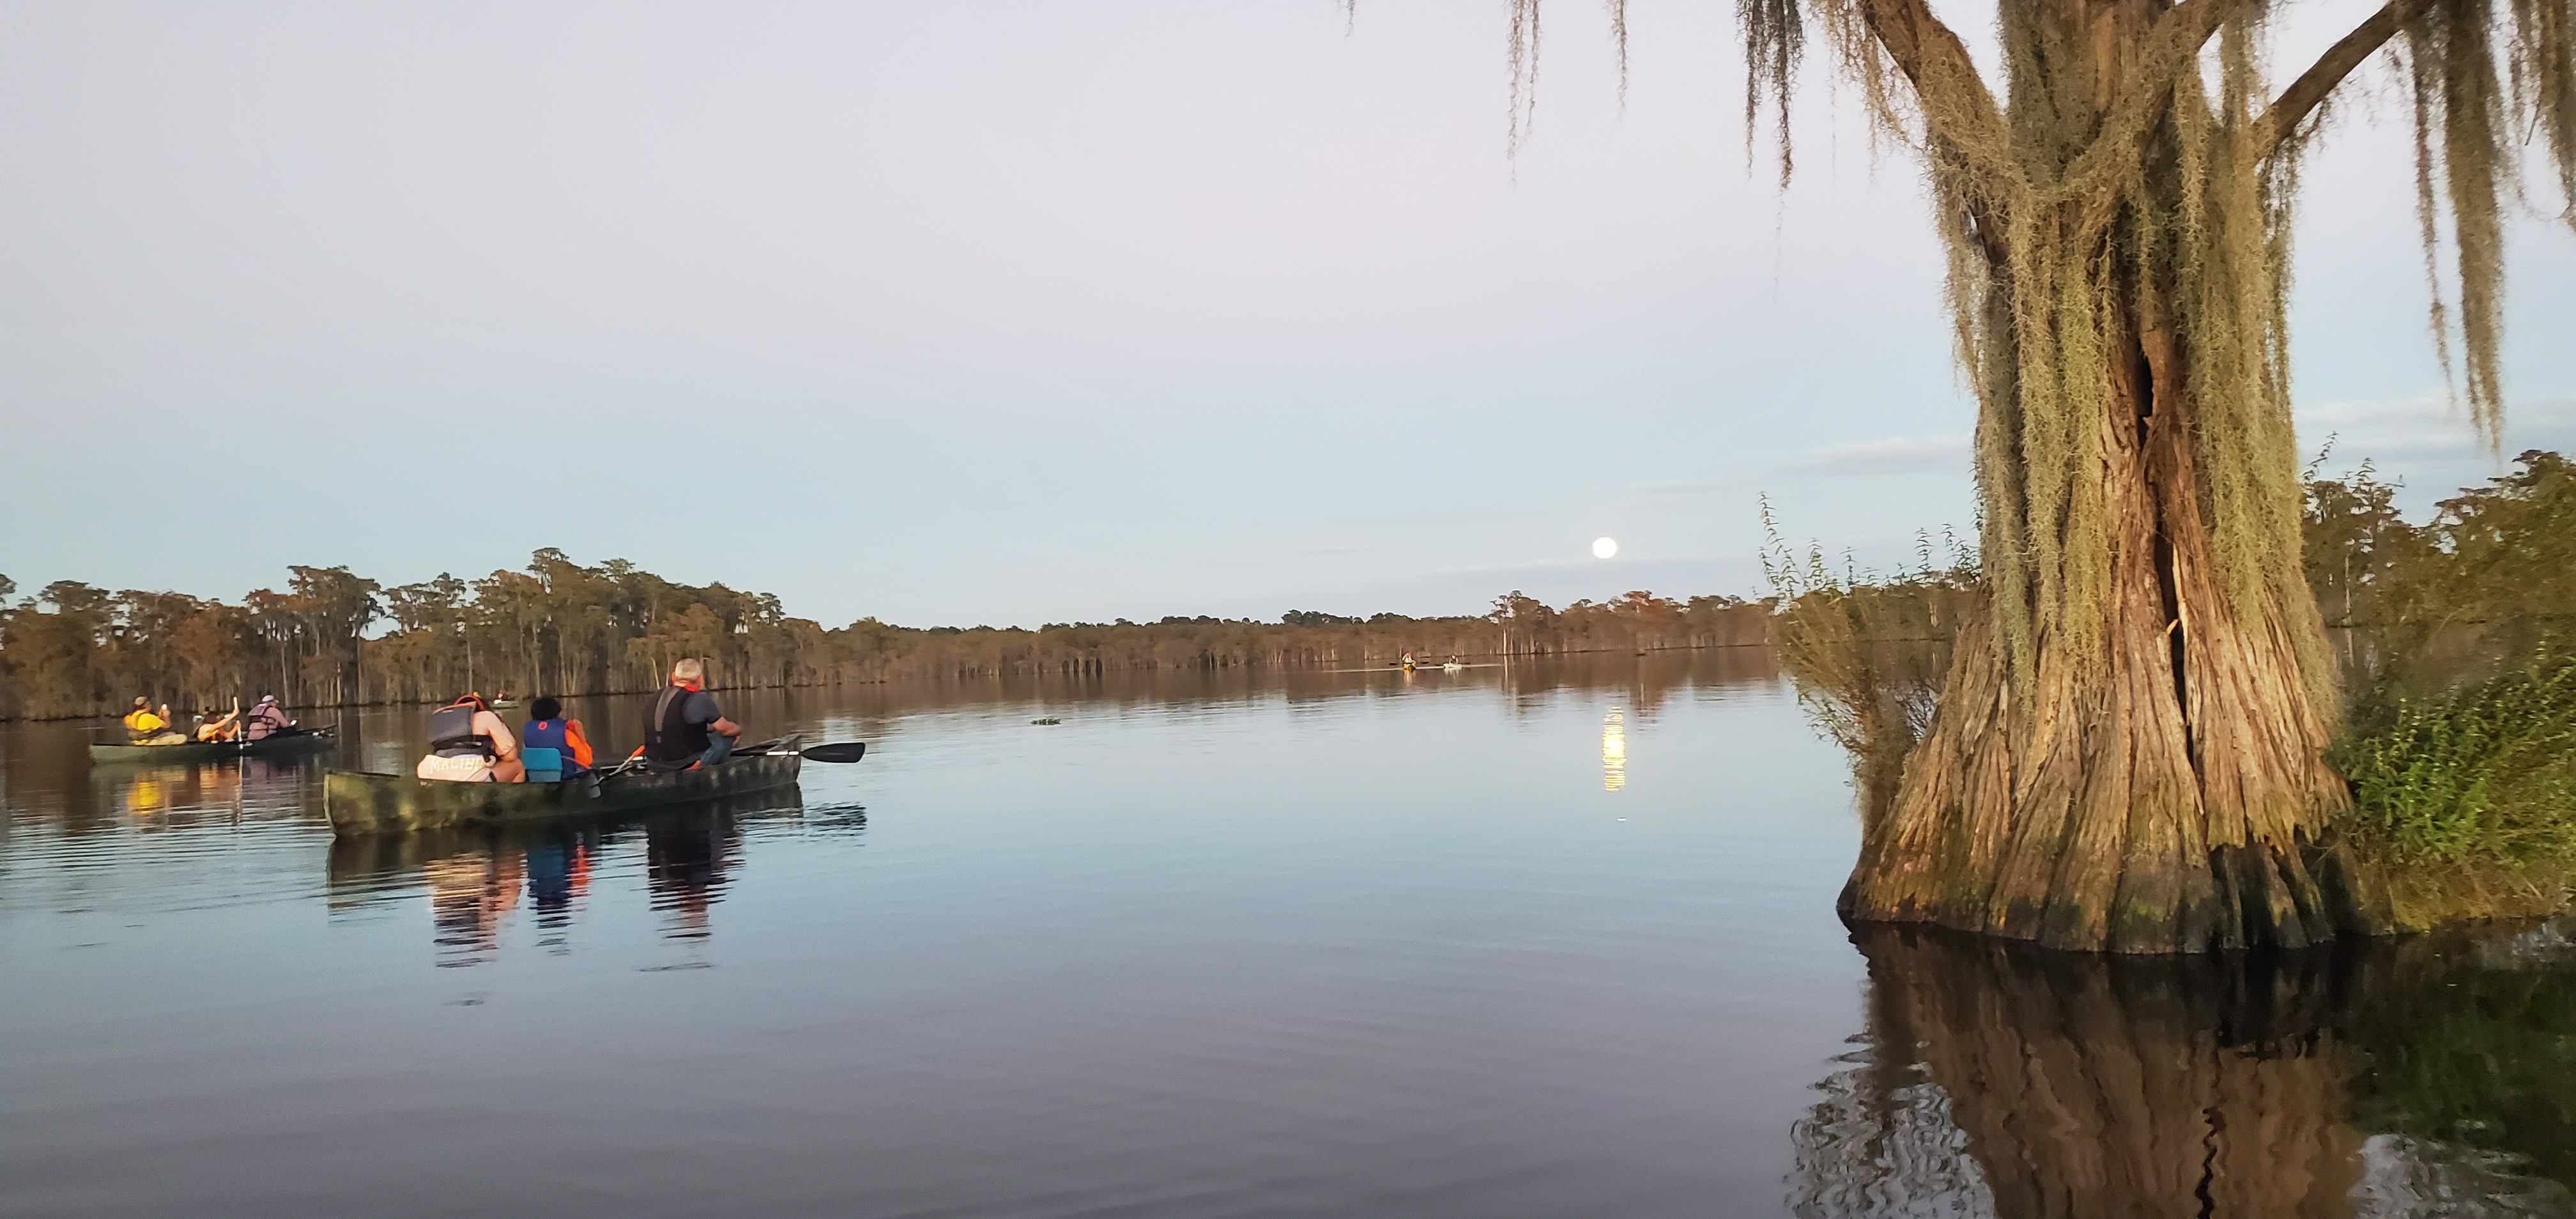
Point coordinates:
[(1014, 312)]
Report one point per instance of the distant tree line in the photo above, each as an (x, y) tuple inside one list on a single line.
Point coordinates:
[(332, 637)]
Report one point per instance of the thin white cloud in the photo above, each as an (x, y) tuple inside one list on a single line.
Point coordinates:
[(1887, 455), (2428, 426), (2424, 445), (1673, 491)]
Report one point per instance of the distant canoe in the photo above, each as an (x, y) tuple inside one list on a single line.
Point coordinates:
[(316, 741), (360, 802), (504, 704)]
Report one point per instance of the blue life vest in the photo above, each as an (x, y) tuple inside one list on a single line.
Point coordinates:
[(550, 734)]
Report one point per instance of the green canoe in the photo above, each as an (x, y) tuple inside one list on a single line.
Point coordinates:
[(360, 802), (315, 741)]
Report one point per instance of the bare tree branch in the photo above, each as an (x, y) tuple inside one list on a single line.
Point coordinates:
[(1932, 58), (2312, 86)]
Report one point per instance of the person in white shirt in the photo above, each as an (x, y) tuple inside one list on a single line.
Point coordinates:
[(469, 744)]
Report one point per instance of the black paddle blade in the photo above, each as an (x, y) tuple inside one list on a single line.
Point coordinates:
[(843, 751)]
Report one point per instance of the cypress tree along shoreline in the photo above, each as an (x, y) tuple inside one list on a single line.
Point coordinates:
[(2129, 753), (2456, 638)]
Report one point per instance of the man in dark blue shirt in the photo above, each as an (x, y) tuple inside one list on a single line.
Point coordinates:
[(685, 728)]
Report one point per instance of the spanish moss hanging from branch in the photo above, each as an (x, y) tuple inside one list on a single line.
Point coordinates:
[(1774, 39), (1523, 62)]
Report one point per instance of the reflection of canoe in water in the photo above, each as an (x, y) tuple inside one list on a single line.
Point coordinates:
[(363, 803), (364, 869), (316, 741)]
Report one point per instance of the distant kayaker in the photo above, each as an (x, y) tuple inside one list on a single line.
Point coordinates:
[(469, 744), (144, 727), (268, 719), (548, 729), (684, 728), (223, 727)]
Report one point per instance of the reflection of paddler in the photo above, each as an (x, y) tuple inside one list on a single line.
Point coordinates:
[(684, 866), (558, 874), (468, 894), (220, 786), (145, 797), (144, 727)]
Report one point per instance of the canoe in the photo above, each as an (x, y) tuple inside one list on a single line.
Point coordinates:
[(362, 802), (316, 741)]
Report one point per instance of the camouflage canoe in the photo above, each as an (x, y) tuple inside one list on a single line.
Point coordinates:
[(361, 802)]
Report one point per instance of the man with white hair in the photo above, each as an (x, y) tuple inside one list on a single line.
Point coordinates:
[(684, 729), (268, 719)]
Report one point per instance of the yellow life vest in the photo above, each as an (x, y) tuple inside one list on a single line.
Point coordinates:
[(144, 724)]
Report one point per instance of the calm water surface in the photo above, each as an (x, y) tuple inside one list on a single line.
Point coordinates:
[(1557, 941)]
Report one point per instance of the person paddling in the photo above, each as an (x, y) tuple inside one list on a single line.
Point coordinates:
[(548, 729), (469, 744), (213, 729), (684, 728)]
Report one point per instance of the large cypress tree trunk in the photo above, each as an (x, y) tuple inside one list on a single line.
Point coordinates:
[(2129, 752), (2166, 793)]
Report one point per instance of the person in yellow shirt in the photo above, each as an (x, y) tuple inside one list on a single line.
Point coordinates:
[(145, 728)]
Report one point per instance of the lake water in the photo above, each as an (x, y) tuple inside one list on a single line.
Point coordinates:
[(1557, 940)]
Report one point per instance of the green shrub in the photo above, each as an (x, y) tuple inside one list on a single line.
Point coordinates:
[(2484, 770)]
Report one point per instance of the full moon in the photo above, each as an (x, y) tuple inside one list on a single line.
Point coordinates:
[(1603, 548)]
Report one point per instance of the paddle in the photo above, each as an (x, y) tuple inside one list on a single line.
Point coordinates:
[(840, 751)]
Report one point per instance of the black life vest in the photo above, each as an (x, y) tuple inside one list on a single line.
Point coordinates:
[(452, 735), (668, 737)]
